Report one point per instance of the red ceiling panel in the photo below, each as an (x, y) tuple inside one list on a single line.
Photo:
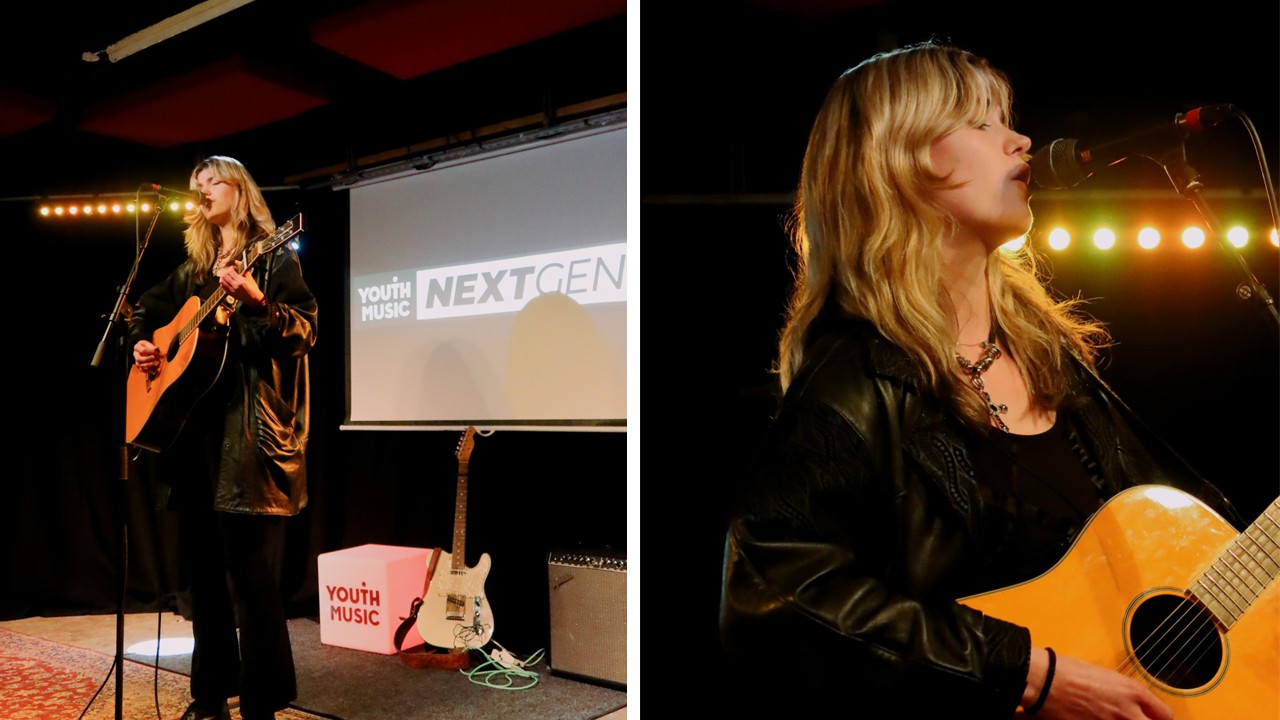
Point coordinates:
[(408, 38), (217, 100), (20, 112)]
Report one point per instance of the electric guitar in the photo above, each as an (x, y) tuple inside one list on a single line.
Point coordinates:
[(158, 401), (455, 613), (1161, 588)]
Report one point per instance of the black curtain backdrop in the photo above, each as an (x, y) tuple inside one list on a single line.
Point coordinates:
[(529, 493)]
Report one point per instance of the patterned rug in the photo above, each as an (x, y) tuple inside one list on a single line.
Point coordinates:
[(45, 680)]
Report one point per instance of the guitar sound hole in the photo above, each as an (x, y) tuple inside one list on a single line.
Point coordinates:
[(1176, 642)]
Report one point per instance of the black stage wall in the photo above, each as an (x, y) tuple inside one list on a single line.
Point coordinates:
[(529, 492)]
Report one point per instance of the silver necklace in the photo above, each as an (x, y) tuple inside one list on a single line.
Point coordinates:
[(991, 352), (221, 261)]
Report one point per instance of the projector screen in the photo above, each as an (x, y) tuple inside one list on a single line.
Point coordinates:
[(491, 290)]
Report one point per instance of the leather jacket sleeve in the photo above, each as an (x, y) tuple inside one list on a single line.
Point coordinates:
[(158, 306), (286, 328), (860, 526), (849, 563)]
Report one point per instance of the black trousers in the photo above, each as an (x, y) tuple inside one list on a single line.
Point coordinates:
[(234, 584)]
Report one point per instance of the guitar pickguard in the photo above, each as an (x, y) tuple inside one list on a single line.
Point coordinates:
[(455, 612), (461, 582)]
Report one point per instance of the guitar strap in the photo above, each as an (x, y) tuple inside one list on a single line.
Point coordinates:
[(419, 656)]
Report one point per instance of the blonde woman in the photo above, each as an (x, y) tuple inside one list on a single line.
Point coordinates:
[(942, 433), (237, 463)]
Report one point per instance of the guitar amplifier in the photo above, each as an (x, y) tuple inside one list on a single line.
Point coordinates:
[(588, 617)]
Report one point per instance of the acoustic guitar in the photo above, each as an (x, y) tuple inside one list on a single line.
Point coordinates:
[(193, 348), (455, 613), (1159, 587)]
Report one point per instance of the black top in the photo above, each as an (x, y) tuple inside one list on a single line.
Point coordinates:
[(1048, 486)]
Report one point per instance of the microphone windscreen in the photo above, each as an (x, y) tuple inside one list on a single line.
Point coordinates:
[(1056, 167)]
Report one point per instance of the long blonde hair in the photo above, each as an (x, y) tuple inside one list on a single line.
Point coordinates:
[(868, 236), (251, 216)]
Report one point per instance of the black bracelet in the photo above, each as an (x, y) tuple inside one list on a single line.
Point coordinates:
[(1048, 680)]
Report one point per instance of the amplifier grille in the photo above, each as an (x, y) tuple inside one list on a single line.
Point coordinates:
[(588, 616)]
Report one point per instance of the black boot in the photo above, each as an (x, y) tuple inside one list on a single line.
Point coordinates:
[(201, 711)]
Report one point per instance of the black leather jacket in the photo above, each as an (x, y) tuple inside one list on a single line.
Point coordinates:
[(864, 522), (256, 418)]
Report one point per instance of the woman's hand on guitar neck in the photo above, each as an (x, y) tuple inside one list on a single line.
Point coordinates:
[(242, 287), (1083, 691)]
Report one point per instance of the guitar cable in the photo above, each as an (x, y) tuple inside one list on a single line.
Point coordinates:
[(503, 670)]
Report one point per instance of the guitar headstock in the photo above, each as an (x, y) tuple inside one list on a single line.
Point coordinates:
[(283, 234), (465, 443)]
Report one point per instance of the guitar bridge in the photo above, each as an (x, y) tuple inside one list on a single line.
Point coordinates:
[(455, 608)]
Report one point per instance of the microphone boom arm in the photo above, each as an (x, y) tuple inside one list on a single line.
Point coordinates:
[(1186, 181)]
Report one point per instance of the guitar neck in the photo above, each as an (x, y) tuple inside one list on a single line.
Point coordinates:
[(1250, 563), (206, 307), (460, 519)]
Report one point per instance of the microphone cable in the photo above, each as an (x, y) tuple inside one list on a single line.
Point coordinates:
[(1268, 186)]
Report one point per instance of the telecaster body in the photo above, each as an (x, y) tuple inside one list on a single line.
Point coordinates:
[(455, 612)]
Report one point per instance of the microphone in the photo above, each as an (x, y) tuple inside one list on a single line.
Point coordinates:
[(189, 194), (1063, 164)]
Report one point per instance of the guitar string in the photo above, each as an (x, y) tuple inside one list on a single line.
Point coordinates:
[(1206, 630), (1209, 639), (1158, 664), (1256, 552), (1253, 551), (1131, 665), (1142, 655), (1219, 593), (275, 240), (1274, 537), (1166, 649)]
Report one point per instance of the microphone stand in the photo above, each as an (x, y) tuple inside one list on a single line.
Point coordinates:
[(115, 323), (1187, 182)]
